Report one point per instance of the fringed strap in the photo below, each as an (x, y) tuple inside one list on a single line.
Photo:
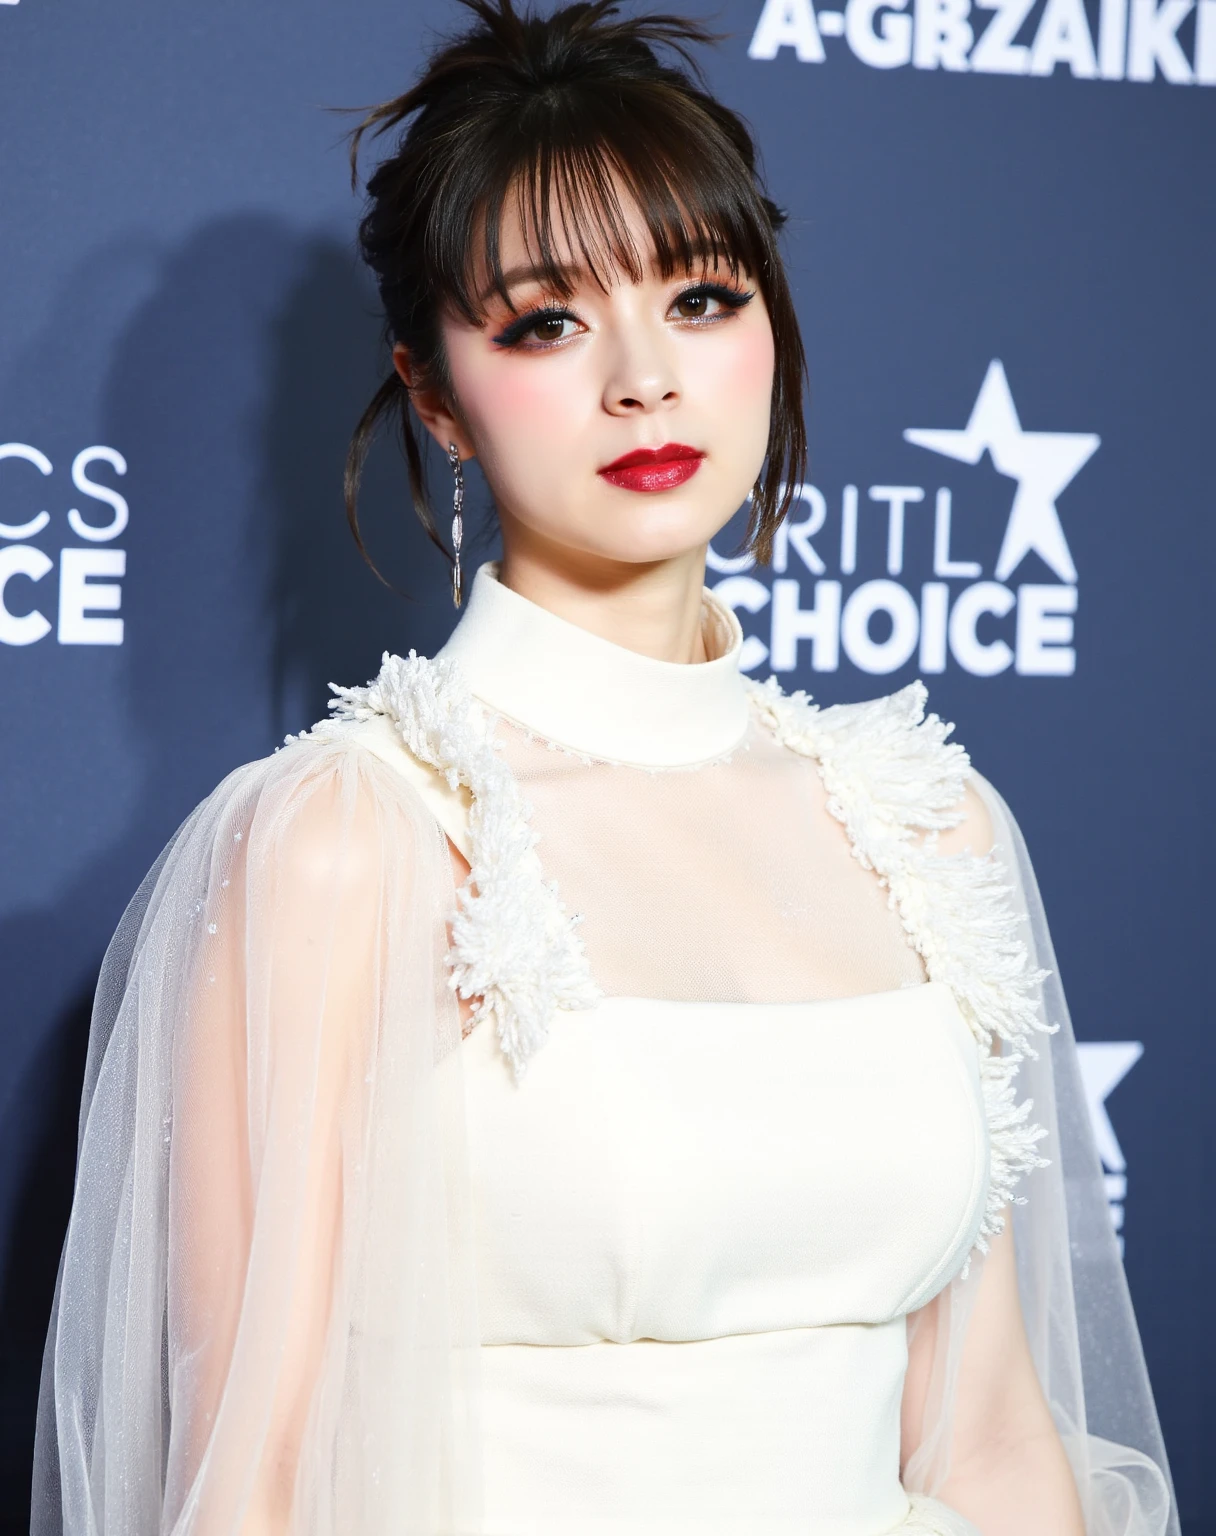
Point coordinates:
[(515, 952), (894, 781)]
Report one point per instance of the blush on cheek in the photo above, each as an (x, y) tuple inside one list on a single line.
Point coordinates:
[(753, 359), (508, 396)]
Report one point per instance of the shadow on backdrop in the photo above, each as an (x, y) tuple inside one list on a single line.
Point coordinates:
[(232, 390)]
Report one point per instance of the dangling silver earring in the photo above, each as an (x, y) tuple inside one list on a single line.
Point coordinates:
[(457, 522)]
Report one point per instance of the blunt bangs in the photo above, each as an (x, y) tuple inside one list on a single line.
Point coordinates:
[(570, 172), (569, 122)]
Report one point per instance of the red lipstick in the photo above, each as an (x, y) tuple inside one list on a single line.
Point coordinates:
[(653, 469)]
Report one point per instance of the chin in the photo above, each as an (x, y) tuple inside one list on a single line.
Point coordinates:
[(651, 531), (652, 549)]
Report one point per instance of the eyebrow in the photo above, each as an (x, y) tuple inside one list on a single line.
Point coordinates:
[(527, 272), (568, 278)]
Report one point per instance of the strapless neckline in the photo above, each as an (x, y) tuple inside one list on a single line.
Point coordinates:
[(699, 1229)]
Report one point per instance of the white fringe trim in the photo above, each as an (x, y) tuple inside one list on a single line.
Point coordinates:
[(891, 776), (894, 782), (515, 951)]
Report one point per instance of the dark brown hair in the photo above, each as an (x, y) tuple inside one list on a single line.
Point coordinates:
[(555, 112)]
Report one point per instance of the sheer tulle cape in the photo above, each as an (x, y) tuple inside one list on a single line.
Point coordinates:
[(266, 1315), (266, 1295), (1074, 1295)]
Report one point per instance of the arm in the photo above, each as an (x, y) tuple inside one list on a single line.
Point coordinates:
[(268, 1246), (1008, 1472), (319, 1231), (272, 1045)]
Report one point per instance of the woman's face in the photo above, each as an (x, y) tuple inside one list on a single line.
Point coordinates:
[(554, 395)]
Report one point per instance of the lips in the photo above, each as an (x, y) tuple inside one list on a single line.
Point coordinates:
[(653, 469)]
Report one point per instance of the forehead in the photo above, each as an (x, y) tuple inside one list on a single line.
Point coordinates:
[(563, 238), (616, 248)]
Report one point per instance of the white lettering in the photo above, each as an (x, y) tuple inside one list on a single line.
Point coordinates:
[(934, 605), (1112, 38), (887, 655), (787, 24), (1205, 42), (83, 461), (78, 594), (897, 498), (799, 534), (886, 46), (820, 625), (21, 560), (943, 565), (1063, 38), (996, 53), (40, 461), (848, 530), (1154, 42), (983, 660), (1045, 631), (942, 34), (751, 595)]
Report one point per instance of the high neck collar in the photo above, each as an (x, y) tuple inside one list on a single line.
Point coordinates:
[(594, 697)]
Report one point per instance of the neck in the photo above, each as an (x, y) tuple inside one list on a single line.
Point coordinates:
[(653, 609), (584, 692)]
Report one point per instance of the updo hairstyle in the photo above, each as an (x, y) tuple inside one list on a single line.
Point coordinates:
[(554, 113)]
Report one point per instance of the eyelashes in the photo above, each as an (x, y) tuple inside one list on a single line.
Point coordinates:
[(731, 299), (523, 325), (532, 322)]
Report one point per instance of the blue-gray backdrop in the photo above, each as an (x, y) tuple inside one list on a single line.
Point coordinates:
[(1003, 245)]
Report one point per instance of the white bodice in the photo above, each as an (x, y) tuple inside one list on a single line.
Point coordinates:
[(728, 1127), (748, 1196), (680, 1171), (630, 1255)]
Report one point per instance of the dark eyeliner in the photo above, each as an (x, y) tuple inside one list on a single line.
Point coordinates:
[(733, 298), (514, 333)]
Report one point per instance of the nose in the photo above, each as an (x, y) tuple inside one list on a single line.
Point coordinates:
[(642, 377)]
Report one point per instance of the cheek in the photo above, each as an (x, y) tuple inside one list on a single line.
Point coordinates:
[(509, 400), (743, 372), (731, 386)]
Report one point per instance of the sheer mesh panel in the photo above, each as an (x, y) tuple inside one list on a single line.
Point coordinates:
[(725, 883)]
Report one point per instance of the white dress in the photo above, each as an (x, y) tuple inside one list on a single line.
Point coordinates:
[(696, 1263), (705, 1212), (636, 1249)]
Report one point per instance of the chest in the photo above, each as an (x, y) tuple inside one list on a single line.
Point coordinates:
[(680, 1170)]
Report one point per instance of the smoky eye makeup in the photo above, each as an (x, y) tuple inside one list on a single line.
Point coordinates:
[(532, 322), (692, 305), (704, 293)]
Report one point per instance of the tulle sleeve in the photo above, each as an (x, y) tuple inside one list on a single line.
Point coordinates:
[(265, 1316), (1074, 1297)]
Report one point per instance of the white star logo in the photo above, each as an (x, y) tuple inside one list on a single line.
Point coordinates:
[(1104, 1065), (1042, 463)]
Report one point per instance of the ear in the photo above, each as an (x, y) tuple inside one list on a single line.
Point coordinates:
[(431, 408)]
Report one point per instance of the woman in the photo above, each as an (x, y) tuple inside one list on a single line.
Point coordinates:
[(407, 1200)]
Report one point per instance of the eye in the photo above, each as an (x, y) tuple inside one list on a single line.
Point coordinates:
[(540, 328), (709, 301), (551, 328)]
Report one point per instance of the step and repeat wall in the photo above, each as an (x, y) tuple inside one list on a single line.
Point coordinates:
[(1002, 240)]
